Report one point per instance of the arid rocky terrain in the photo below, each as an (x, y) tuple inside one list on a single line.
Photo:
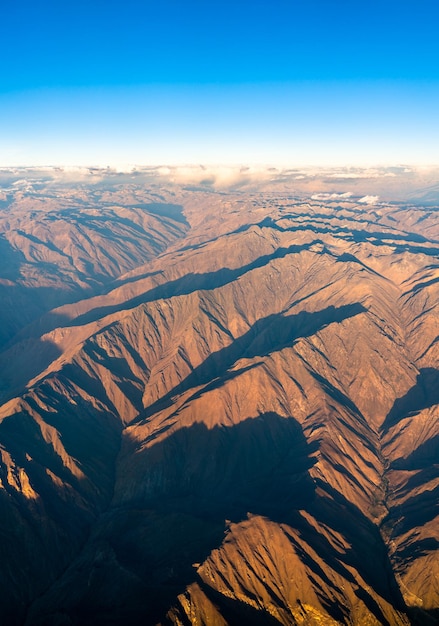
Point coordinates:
[(219, 398)]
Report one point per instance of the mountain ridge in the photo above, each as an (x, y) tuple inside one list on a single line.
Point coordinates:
[(276, 382)]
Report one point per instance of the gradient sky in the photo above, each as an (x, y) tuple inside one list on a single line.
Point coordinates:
[(335, 82)]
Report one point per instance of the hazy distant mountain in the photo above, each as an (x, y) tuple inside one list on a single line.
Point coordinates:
[(220, 406)]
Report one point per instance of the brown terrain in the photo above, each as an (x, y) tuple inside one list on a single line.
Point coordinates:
[(219, 405)]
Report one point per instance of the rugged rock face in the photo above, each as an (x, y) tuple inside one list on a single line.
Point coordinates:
[(236, 420)]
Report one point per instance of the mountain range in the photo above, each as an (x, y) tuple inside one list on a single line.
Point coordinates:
[(219, 404)]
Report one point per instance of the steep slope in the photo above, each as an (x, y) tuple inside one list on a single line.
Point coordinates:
[(243, 430)]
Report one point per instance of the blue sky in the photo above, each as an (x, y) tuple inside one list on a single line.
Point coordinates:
[(283, 82)]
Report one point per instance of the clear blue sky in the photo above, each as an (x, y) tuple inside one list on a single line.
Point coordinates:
[(283, 82)]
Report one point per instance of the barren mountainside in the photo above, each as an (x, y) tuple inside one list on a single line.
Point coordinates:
[(219, 407)]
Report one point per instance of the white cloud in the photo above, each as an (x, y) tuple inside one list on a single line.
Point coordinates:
[(216, 176), (369, 199), (331, 196)]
